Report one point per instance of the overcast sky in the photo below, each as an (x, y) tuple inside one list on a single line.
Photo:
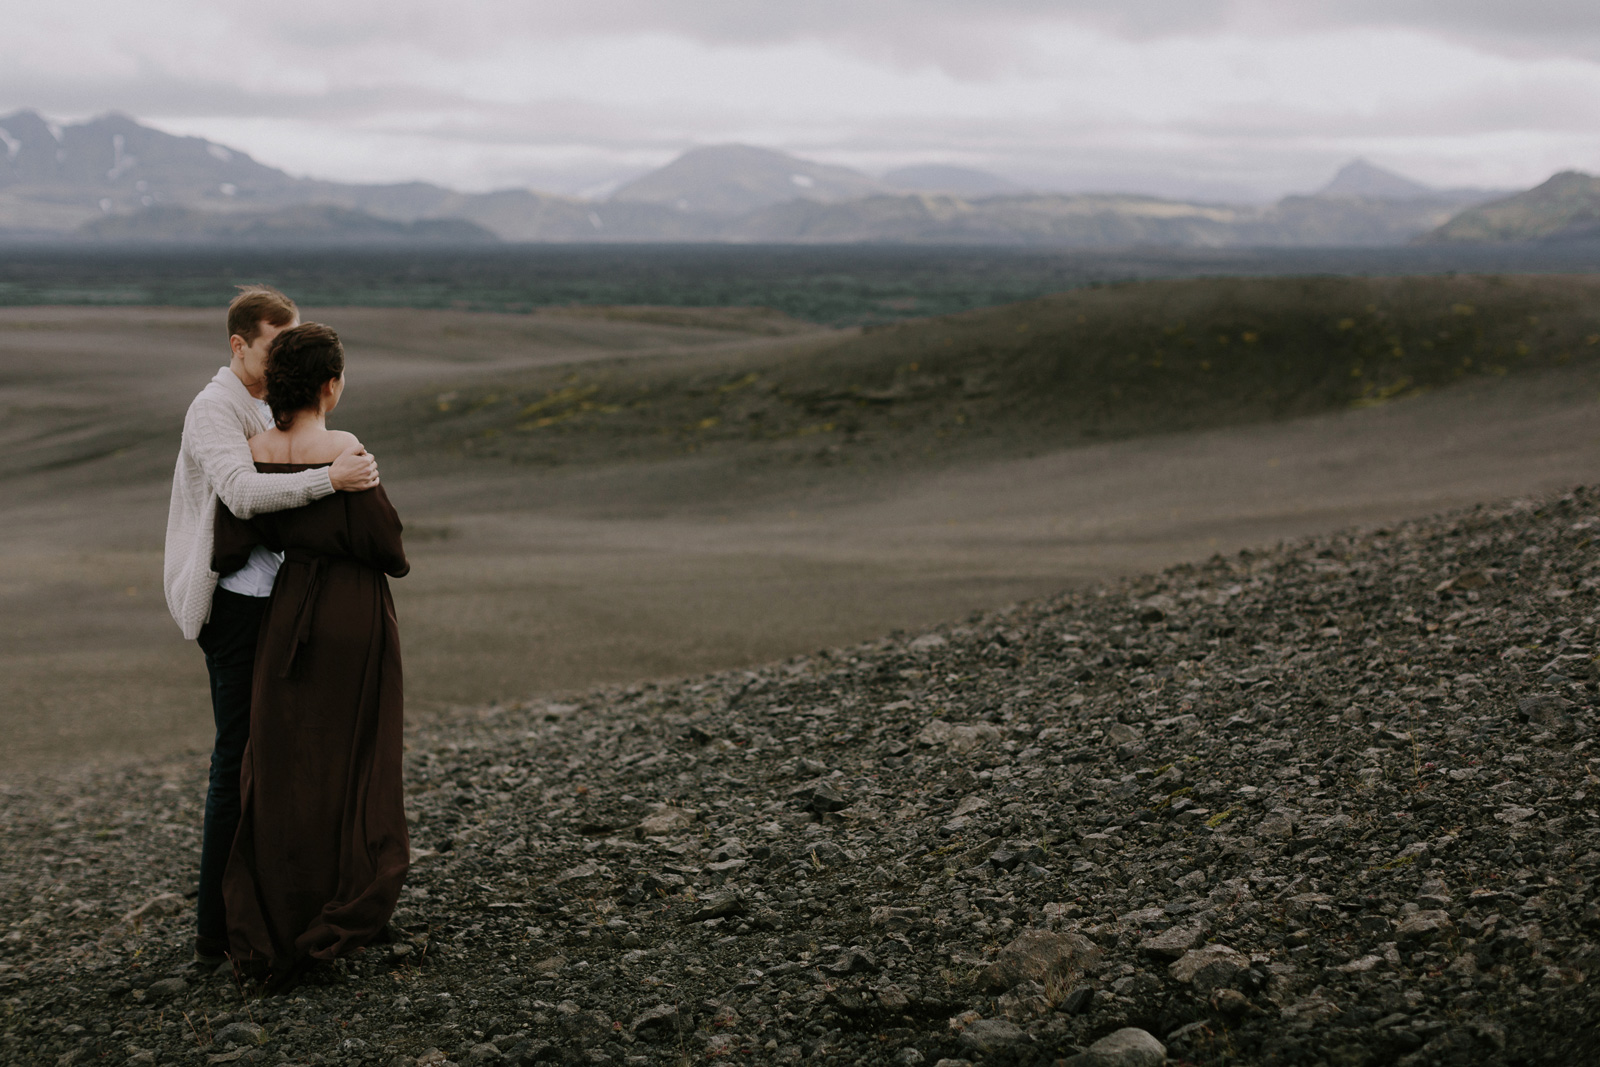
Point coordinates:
[(1178, 97)]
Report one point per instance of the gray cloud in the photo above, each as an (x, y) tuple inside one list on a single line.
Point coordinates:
[(964, 36), (1540, 106), (154, 94), (1524, 27), (452, 92)]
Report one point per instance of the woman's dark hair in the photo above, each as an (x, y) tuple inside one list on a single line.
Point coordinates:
[(300, 361)]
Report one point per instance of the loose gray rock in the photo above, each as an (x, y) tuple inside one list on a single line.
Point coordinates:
[(658, 1019), (715, 906), (991, 1035), (825, 798), (1424, 926), (161, 904), (1218, 964), (166, 988), (1128, 1047), (1551, 712), (957, 738), (1277, 824), (241, 1033), (1231, 1003), (1040, 956), (1313, 1009), (666, 819), (1172, 944), (853, 961)]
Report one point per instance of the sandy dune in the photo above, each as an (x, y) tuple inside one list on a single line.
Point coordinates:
[(529, 580)]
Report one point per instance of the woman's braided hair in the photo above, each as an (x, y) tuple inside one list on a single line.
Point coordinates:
[(300, 361)]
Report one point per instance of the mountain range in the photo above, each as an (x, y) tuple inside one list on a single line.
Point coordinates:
[(1565, 208), (112, 179)]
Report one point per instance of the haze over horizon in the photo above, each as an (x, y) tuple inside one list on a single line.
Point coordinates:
[(1236, 101)]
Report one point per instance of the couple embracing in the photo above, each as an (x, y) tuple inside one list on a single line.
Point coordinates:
[(279, 538)]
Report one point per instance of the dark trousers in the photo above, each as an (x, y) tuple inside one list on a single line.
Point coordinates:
[(229, 642)]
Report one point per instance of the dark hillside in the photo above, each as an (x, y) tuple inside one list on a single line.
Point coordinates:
[(1113, 361)]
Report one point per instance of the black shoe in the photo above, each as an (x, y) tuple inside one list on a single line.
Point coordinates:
[(210, 951)]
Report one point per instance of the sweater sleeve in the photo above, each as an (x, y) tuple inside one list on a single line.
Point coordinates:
[(214, 438)]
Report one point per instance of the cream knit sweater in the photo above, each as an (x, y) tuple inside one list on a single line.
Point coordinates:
[(214, 463)]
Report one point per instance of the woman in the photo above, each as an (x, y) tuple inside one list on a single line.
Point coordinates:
[(322, 850)]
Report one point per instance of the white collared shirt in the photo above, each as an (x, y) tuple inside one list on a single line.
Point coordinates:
[(255, 578)]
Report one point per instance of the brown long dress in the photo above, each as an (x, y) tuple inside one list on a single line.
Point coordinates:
[(322, 849)]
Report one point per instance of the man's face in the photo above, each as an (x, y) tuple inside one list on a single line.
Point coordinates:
[(250, 360)]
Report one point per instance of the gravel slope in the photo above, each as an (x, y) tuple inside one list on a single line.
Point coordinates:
[(1330, 803)]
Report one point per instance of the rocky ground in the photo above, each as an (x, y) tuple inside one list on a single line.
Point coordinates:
[(1330, 803)]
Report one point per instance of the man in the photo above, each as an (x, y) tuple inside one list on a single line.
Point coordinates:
[(224, 612)]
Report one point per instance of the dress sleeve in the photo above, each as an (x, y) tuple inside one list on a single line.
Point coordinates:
[(233, 538), (375, 531)]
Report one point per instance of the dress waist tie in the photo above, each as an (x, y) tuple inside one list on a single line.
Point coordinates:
[(306, 612)]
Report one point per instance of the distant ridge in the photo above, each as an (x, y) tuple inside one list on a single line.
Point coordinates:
[(1359, 178), (1567, 207), (112, 179), (733, 179), (127, 162)]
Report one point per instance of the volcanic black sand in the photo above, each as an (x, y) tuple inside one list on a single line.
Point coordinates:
[(1333, 803), (617, 494)]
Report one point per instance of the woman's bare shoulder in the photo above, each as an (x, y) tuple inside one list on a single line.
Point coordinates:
[(276, 446), (267, 446), (344, 439)]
